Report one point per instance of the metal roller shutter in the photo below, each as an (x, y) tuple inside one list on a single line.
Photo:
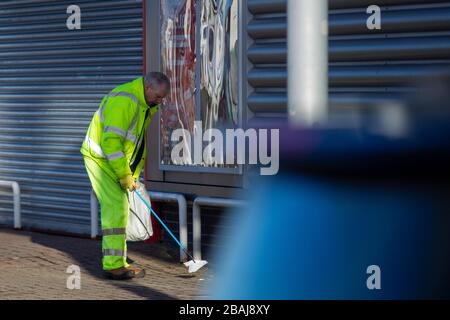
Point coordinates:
[(51, 81), (366, 66)]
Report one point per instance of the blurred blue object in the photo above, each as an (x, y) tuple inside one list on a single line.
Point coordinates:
[(307, 238), (346, 200)]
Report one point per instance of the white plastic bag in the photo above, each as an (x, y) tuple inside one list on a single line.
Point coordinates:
[(139, 226)]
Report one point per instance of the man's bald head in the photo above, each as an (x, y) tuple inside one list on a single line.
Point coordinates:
[(156, 87)]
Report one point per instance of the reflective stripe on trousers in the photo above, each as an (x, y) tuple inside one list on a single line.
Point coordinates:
[(114, 231), (114, 253)]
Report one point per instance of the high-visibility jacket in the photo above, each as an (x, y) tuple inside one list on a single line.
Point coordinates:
[(117, 130)]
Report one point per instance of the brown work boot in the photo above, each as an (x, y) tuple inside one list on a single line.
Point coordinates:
[(125, 273), (138, 272)]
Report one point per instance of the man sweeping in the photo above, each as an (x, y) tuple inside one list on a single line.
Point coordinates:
[(114, 152)]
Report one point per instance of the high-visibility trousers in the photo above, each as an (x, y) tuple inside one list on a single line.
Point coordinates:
[(114, 215)]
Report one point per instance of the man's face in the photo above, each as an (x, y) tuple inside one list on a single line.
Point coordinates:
[(155, 93)]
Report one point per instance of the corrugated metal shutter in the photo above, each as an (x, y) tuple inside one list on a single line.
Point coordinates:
[(366, 67), (51, 82)]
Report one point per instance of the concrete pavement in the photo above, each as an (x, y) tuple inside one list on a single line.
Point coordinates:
[(34, 266)]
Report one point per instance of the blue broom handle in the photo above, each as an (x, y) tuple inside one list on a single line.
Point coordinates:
[(163, 224)]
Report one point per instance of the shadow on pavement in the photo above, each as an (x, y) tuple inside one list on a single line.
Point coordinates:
[(87, 254)]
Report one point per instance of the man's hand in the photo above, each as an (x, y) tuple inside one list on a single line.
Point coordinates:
[(128, 182)]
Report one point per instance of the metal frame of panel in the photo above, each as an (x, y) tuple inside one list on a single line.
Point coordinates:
[(192, 180)]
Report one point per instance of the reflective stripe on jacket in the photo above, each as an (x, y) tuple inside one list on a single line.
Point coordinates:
[(117, 129)]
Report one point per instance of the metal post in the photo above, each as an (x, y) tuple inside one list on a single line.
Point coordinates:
[(307, 61), (16, 196)]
